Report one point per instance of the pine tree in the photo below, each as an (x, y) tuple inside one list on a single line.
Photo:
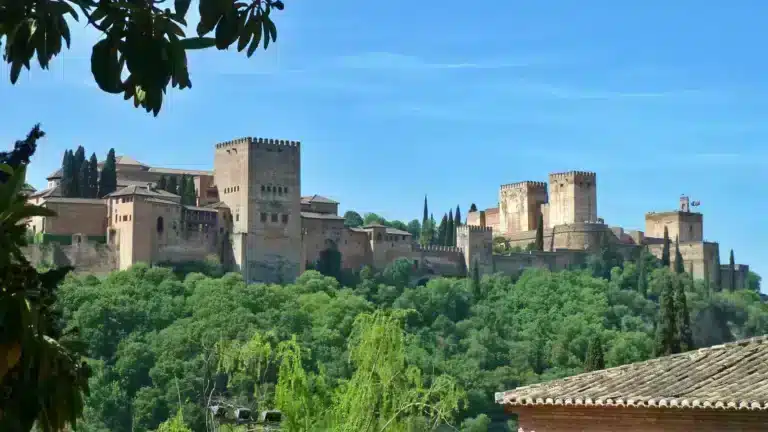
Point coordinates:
[(472, 208), (667, 341), (594, 360), (682, 318), (679, 265), (717, 284), (642, 277), (732, 271), (442, 230), (450, 232), (93, 177), (173, 186), (108, 178), (665, 250), (539, 246), (82, 180), (79, 186), (457, 218), (162, 183)]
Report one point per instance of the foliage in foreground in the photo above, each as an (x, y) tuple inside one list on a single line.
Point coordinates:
[(143, 45), (160, 344)]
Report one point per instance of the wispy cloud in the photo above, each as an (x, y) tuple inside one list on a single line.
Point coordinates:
[(389, 61), (539, 89)]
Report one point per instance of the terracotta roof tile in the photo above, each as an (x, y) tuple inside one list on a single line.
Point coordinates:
[(730, 376)]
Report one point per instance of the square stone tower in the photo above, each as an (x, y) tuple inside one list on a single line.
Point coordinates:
[(260, 181), (572, 198), (520, 206)]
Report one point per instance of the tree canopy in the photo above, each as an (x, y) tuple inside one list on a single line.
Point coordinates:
[(143, 45)]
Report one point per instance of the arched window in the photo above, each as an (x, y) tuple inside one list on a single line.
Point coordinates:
[(160, 226), (378, 237)]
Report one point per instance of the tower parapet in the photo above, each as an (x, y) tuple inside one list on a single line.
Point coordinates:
[(525, 185), (258, 142), (573, 176), (520, 206)]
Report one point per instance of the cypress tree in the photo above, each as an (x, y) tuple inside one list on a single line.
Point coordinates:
[(642, 278), (450, 234), (162, 183), (476, 279), (82, 180), (442, 230), (718, 282), (679, 265), (432, 229), (191, 191), (665, 250), (539, 245), (682, 318), (182, 188), (667, 341), (472, 208), (457, 218), (425, 238), (67, 177), (594, 360), (173, 186), (79, 187), (707, 278), (93, 177), (108, 178), (732, 271)]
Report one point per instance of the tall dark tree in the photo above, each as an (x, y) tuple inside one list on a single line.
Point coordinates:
[(108, 177), (642, 274), (162, 183), (173, 185), (594, 360), (682, 317), (82, 180), (679, 264), (717, 283), (457, 222), (442, 230), (732, 271), (539, 244), (79, 156), (352, 219), (93, 177), (432, 229), (190, 192), (472, 208), (182, 188), (450, 231), (667, 341), (68, 177), (665, 251), (425, 216), (426, 229), (476, 279)]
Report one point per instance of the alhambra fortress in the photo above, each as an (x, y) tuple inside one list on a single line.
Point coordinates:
[(251, 217)]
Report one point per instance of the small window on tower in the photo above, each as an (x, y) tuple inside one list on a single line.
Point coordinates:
[(262, 188), (285, 190), (269, 188), (274, 217), (237, 217), (263, 217), (285, 219), (279, 190)]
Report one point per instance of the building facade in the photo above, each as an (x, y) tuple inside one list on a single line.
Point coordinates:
[(250, 215)]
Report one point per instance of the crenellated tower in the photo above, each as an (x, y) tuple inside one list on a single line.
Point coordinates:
[(572, 198), (260, 181), (520, 206), (477, 245)]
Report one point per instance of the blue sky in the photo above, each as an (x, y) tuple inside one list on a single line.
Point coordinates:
[(392, 100)]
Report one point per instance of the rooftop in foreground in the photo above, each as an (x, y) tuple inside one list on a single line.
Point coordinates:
[(732, 376)]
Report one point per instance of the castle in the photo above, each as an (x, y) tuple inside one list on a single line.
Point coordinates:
[(250, 214)]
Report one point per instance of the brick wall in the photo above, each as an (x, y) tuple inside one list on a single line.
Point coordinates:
[(615, 419)]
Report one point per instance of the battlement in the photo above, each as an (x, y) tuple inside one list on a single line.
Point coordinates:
[(258, 142), (474, 228), (572, 175), (525, 185), (437, 248)]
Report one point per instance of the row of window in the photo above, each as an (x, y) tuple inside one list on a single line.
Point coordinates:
[(274, 217), (389, 237), (276, 189), (231, 189)]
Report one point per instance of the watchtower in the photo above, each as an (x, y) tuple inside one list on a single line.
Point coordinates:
[(572, 198), (520, 206), (476, 243), (260, 181)]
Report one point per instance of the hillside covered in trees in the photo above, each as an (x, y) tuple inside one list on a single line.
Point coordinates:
[(165, 345)]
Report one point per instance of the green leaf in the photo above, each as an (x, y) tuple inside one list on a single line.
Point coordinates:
[(182, 6), (6, 169), (194, 43), (265, 25), (15, 71), (255, 27), (105, 66)]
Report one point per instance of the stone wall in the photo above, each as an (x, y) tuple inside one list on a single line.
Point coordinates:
[(439, 260), (585, 236), (742, 274), (554, 261), (91, 258), (698, 257)]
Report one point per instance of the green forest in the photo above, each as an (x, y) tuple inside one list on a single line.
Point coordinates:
[(164, 345)]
